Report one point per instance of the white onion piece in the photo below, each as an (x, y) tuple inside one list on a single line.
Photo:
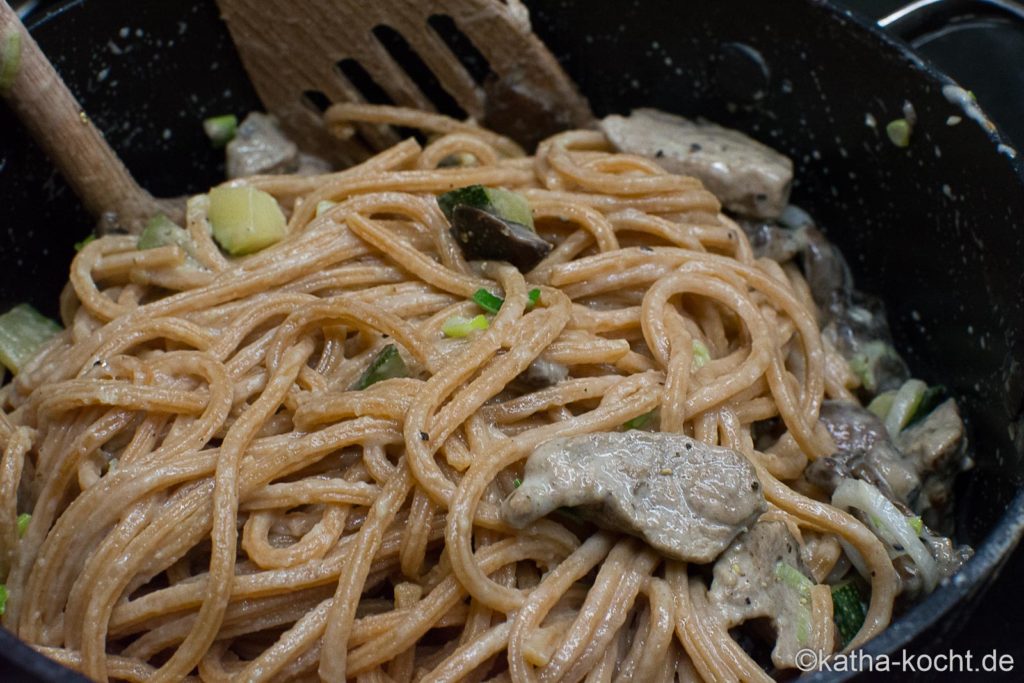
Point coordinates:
[(889, 524)]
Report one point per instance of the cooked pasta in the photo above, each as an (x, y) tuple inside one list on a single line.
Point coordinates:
[(212, 496)]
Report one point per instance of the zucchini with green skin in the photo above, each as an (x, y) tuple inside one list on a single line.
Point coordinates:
[(23, 331), (497, 201), (387, 364), (847, 610)]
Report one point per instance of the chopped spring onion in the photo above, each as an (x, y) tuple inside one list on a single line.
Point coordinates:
[(639, 422), (847, 610), (904, 405), (492, 302), (517, 482), (221, 129), (701, 355), (487, 301), (457, 326), (79, 246), (889, 524), (10, 62), (3, 598), (23, 331), (244, 219), (794, 579), (387, 364), (23, 519), (899, 131)]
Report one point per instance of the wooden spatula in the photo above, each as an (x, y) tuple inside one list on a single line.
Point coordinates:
[(476, 58), (43, 103)]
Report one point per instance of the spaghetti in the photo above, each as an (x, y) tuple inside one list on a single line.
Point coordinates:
[(211, 498)]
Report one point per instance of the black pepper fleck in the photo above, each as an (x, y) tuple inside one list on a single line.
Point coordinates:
[(694, 147), (424, 436), (755, 485)]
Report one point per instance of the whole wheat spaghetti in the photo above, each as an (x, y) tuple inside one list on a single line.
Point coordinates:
[(212, 498)]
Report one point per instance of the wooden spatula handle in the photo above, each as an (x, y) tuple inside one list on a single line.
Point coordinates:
[(43, 103)]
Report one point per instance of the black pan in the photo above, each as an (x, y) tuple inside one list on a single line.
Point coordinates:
[(936, 229)]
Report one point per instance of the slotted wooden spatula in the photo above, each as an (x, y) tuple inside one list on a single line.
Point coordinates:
[(476, 58)]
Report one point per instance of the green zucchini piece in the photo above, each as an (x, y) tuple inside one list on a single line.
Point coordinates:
[(497, 201), (23, 331), (244, 219), (161, 231), (847, 610), (387, 364)]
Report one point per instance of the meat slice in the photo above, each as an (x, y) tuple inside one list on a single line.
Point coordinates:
[(746, 176), (686, 499), (761, 575), (865, 451), (259, 147)]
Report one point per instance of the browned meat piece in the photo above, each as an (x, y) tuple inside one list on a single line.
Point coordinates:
[(686, 499), (746, 176)]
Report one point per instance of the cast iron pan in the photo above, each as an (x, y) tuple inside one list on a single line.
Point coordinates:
[(934, 229)]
